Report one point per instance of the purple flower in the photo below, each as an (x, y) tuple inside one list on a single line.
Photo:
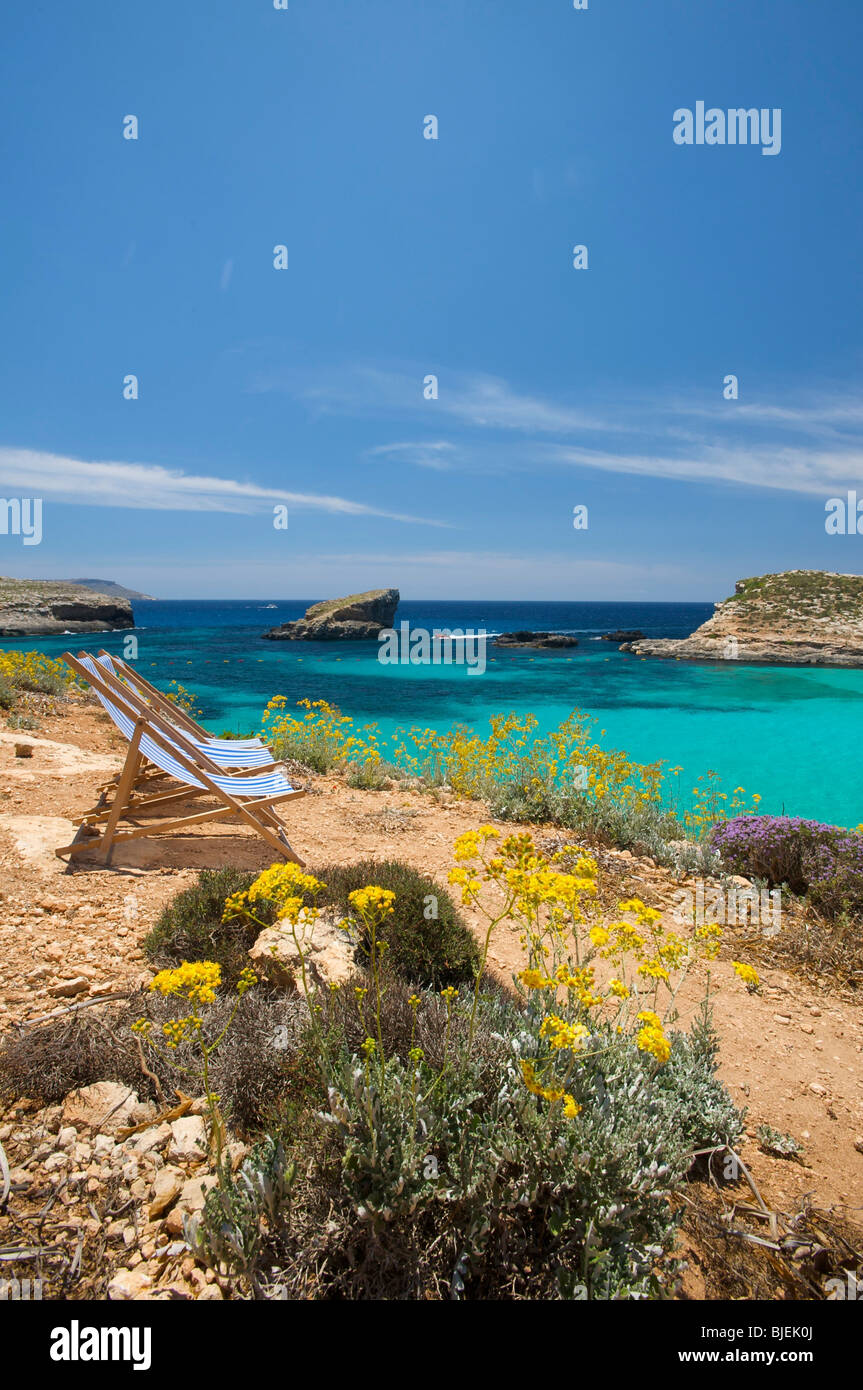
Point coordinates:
[(824, 861)]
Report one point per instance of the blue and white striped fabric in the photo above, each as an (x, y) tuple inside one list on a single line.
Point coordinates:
[(265, 784), (225, 752)]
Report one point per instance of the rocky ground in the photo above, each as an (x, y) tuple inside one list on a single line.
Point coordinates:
[(105, 1174)]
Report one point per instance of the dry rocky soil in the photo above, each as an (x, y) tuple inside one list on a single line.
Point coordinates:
[(791, 1053)]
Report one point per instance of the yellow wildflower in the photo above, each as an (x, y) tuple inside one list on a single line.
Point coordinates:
[(747, 973)]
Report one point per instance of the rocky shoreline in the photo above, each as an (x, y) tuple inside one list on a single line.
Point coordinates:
[(796, 618)]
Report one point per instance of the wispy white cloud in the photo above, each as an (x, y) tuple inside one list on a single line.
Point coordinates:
[(780, 469), (476, 399), (439, 454), (810, 444), (152, 487)]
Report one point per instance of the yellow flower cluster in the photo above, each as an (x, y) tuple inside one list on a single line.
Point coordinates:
[(281, 884), (183, 698), (747, 973), (563, 1036), (34, 670), (535, 979), (553, 1094), (176, 1030), (550, 901), (709, 938), (709, 804), (195, 980), (520, 872), (372, 900), (323, 736), (580, 983), (567, 757), (651, 1037), (515, 752)]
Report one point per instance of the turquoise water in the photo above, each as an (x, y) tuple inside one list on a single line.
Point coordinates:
[(790, 734)]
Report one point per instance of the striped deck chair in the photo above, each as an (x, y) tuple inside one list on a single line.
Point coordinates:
[(226, 753), (168, 708), (250, 794), (222, 755)]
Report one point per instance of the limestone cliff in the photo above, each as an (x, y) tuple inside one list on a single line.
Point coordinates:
[(796, 618), (353, 618), (43, 607)]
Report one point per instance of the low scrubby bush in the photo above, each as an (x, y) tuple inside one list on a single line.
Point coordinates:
[(565, 776), (824, 862), (428, 941), (191, 926), (319, 739), (253, 1068), (501, 1179), (531, 1142), (646, 827), (20, 721)]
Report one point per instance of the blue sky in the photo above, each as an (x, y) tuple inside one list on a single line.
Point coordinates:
[(410, 257)]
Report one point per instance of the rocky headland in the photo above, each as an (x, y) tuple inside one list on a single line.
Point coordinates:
[(357, 617), (111, 588), (796, 618), (42, 607)]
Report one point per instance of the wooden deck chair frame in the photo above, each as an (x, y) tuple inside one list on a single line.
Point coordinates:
[(128, 804), (157, 703), (148, 776), (135, 705), (115, 690), (173, 712)]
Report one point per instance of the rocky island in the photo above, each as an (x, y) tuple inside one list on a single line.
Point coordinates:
[(46, 607), (357, 617), (535, 639), (796, 618)]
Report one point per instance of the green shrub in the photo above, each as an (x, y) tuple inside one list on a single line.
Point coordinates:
[(8, 693), (778, 1145), (513, 1182), (473, 1188), (370, 776), (190, 927), (641, 826), (428, 941), (34, 671), (424, 949)]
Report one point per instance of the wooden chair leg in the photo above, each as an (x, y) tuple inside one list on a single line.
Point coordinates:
[(124, 787)]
